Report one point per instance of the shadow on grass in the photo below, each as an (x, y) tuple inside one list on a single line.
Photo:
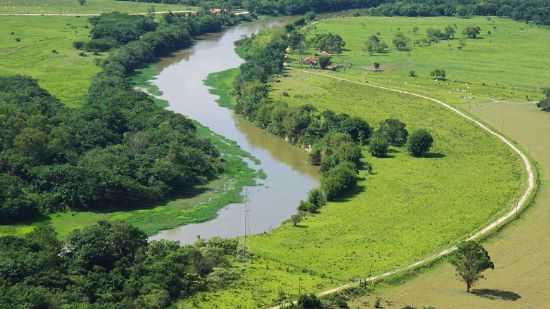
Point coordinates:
[(150, 204), (350, 194), (496, 294), (434, 155)]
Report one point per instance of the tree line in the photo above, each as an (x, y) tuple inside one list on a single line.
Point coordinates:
[(108, 265), (537, 11), (118, 150)]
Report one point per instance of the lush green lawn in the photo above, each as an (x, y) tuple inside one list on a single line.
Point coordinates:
[(73, 6), (410, 207), (508, 64), (64, 73)]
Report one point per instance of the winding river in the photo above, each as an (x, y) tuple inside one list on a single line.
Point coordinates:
[(289, 176)]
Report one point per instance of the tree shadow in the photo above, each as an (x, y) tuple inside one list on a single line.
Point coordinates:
[(350, 194), (434, 155), (496, 294)]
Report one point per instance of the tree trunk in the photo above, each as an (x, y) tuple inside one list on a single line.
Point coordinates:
[(468, 286)]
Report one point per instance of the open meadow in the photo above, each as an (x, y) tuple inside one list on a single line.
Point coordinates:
[(504, 63), (73, 7), (42, 47)]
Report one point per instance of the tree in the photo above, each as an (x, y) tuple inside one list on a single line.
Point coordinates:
[(470, 261), (308, 301), (297, 218), (324, 62), (401, 42), (329, 42), (439, 74), (317, 198), (394, 131), (450, 32), (544, 104), (375, 45), (82, 2), (378, 145), (472, 32), (339, 180), (420, 143)]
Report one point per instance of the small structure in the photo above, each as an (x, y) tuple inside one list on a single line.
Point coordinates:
[(311, 60)]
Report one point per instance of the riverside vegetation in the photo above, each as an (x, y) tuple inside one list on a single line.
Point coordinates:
[(291, 260), (374, 213)]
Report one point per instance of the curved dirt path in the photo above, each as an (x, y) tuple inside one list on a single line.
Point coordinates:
[(518, 207)]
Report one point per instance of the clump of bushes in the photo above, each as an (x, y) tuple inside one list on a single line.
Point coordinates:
[(420, 143)]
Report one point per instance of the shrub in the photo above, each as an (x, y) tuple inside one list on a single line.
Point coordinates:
[(324, 62), (394, 131), (420, 143), (317, 198), (401, 42), (412, 73), (339, 180), (379, 145), (78, 44), (439, 74)]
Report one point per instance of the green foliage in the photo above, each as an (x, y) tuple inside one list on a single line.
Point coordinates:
[(328, 42), (106, 265), (436, 35), (379, 145), (376, 45), (402, 42), (118, 29), (420, 143), (472, 32), (339, 180), (394, 131), (439, 74), (470, 261), (544, 104), (324, 62)]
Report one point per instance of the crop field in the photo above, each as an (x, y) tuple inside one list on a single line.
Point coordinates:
[(503, 65), (46, 53), (73, 7), (409, 207)]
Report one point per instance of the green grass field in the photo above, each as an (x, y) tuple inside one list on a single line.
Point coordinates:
[(73, 7), (45, 52), (410, 207), (505, 65)]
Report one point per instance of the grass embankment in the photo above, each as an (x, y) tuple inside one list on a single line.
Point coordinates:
[(67, 75), (42, 47), (408, 209), (73, 7)]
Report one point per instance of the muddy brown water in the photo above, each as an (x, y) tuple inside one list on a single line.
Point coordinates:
[(521, 252), (289, 176)]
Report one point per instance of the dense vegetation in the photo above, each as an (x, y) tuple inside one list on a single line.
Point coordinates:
[(537, 11), (334, 140), (107, 265), (119, 150)]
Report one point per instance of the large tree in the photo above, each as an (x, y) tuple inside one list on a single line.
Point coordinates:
[(470, 261)]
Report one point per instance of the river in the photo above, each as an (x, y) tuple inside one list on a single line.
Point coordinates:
[(289, 176)]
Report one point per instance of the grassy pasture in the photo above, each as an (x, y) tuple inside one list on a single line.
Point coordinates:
[(73, 7), (504, 65), (45, 52), (408, 209)]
